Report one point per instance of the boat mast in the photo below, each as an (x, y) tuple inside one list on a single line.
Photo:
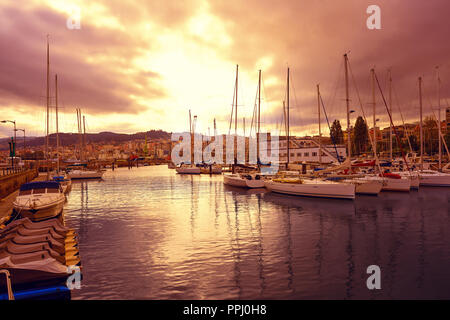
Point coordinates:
[(320, 134), (288, 133), (84, 137), (48, 107), (57, 129), (439, 117), (372, 71), (420, 123), (235, 115), (259, 118), (390, 108), (347, 100)]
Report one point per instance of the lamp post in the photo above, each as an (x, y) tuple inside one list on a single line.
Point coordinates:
[(14, 122), (23, 130), (14, 141)]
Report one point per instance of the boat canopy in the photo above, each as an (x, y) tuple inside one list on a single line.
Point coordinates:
[(39, 185)]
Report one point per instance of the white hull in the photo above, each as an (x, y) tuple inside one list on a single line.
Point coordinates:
[(402, 185), (434, 178), (214, 170), (366, 186), (413, 177), (314, 189), (188, 170), (236, 180), (39, 210), (88, 174)]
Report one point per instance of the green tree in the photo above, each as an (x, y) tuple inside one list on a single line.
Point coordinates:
[(360, 136), (415, 145), (336, 134)]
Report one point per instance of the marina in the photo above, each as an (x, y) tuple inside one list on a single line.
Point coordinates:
[(224, 151), (193, 237)]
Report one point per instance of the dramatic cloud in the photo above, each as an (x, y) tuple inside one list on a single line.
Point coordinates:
[(138, 65)]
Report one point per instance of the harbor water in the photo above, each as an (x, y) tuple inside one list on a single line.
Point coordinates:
[(148, 233)]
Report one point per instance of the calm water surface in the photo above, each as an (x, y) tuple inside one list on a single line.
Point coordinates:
[(149, 233)]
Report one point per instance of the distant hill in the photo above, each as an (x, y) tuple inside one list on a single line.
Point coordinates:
[(73, 138)]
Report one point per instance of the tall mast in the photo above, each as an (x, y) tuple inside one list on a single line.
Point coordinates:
[(259, 117), (57, 128), (288, 138), (347, 100), (390, 108), (235, 115), (48, 107), (320, 133), (215, 132), (439, 117), (420, 123), (372, 71), (84, 137)]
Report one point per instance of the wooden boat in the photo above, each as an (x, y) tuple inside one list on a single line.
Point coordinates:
[(39, 200)]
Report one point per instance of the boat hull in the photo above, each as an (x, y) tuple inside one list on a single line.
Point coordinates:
[(237, 181), (191, 170), (435, 179), (401, 185), (85, 175), (320, 190), (39, 213), (368, 187)]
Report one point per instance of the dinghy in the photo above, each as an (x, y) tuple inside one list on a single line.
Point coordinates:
[(244, 180)]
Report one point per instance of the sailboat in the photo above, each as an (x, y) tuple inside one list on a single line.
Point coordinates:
[(189, 168), (243, 180), (363, 185), (79, 171), (41, 200), (61, 177), (431, 177), (308, 187)]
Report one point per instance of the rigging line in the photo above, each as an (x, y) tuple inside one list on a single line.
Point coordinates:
[(390, 118), (337, 82), (232, 108), (254, 113), (437, 121), (401, 116), (328, 122), (377, 161)]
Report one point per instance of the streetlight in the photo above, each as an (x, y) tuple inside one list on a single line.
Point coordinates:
[(23, 139), (12, 121)]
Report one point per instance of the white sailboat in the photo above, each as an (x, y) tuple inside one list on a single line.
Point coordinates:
[(80, 171), (431, 177), (307, 187), (312, 188)]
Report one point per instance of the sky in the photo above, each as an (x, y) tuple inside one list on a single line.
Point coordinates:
[(134, 66)]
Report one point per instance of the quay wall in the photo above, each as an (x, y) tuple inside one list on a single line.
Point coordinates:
[(12, 182)]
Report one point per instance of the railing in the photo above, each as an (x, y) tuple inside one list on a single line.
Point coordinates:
[(9, 171), (8, 283)]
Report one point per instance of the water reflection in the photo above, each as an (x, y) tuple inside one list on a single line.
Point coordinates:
[(148, 233)]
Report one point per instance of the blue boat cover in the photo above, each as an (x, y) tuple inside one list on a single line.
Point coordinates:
[(39, 185)]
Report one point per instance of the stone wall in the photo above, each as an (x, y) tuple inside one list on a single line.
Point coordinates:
[(11, 183)]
